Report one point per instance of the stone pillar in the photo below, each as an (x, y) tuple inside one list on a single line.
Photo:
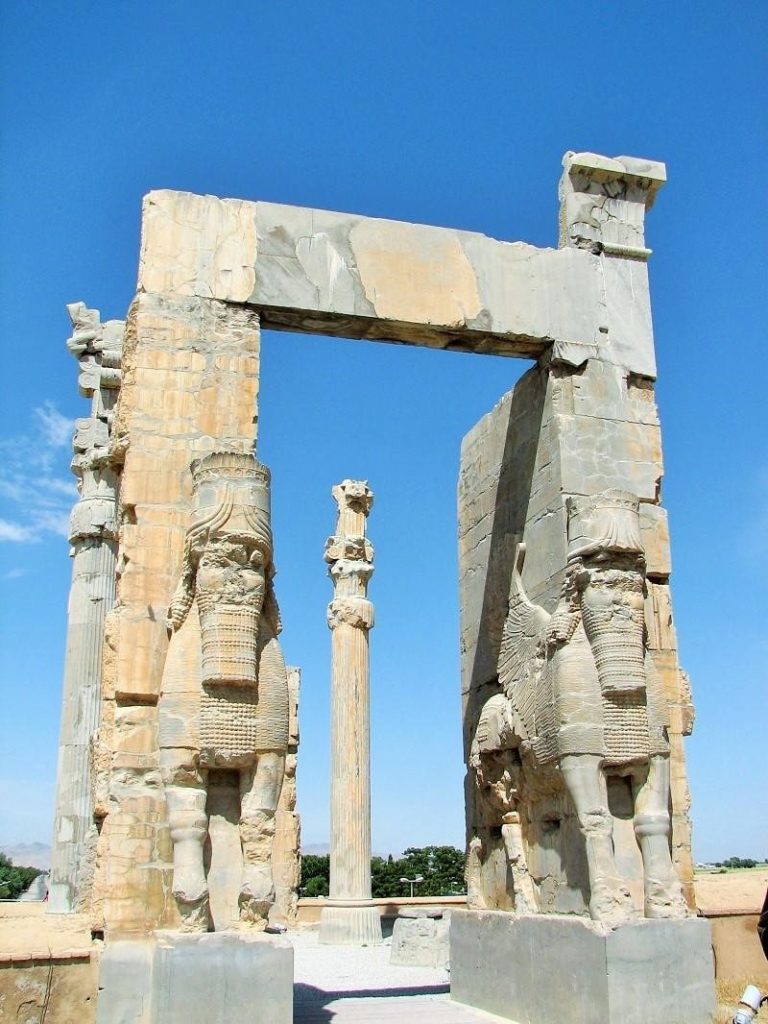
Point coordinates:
[(565, 433), (190, 385), (93, 540), (350, 917)]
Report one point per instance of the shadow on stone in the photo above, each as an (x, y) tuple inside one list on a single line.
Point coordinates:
[(310, 1003)]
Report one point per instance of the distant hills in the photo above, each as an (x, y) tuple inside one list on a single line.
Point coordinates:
[(28, 855), (316, 849)]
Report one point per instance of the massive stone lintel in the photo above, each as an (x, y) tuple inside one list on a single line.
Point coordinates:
[(362, 277)]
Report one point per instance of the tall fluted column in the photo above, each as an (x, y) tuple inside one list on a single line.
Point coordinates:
[(350, 916), (93, 547)]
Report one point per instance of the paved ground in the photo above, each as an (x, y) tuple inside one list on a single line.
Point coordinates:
[(343, 984)]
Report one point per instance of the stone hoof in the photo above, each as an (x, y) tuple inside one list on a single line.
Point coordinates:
[(254, 914), (257, 884), (195, 914), (190, 890), (611, 905), (664, 900), (253, 919), (257, 895)]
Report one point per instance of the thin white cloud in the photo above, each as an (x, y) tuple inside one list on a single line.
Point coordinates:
[(15, 532), (36, 493), (14, 574), (56, 429)]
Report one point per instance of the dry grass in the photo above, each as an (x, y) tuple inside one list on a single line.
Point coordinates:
[(728, 993)]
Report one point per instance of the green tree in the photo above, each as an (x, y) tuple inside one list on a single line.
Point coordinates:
[(14, 880), (385, 877), (739, 862), (316, 886), (315, 874), (442, 868)]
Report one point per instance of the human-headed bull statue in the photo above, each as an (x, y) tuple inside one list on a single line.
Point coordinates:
[(580, 699), (224, 694)]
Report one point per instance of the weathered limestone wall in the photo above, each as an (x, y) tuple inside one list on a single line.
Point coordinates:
[(61, 988), (566, 431), (190, 386), (93, 548), (49, 967)]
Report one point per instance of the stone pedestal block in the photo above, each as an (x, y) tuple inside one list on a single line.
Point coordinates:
[(548, 969), (214, 978), (421, 939)]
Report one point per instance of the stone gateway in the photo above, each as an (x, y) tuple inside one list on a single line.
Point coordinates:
[(176, 826)]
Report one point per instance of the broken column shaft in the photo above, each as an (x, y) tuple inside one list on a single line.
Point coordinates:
[(350, 916)]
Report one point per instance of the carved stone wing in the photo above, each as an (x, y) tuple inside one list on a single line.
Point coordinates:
[(522, 631)]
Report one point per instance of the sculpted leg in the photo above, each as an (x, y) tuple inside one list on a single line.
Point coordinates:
[(512, 834), (473, 874), (259, 795), (189, 827), (609, 900), (663, 892)]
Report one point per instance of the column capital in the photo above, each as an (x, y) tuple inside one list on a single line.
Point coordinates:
[(98, 347), (354, 495), (350, 611), (338, 548), (603, 202)]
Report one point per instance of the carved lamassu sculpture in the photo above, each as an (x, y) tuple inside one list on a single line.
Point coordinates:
[(581, 703), (224, 699)]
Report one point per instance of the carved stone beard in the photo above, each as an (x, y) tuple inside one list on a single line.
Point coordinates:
[(230, 588), (612, 610)]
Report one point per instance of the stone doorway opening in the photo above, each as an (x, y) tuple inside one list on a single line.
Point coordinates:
[(331, 408)]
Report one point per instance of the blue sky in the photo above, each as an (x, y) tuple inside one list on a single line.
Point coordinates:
[(443, 113)]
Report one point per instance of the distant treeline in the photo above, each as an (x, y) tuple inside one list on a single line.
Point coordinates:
[(15, 880), (737, 862), (441, 867)]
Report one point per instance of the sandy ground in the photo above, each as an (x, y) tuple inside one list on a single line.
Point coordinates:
[(740, 891), (28, 933)]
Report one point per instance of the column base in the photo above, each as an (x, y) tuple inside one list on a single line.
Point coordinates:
[(355, 923), (546, 969)]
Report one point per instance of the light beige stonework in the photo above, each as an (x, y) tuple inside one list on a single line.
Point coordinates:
[(564, 437), (223, 709), (190, 382), (574, 448)]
